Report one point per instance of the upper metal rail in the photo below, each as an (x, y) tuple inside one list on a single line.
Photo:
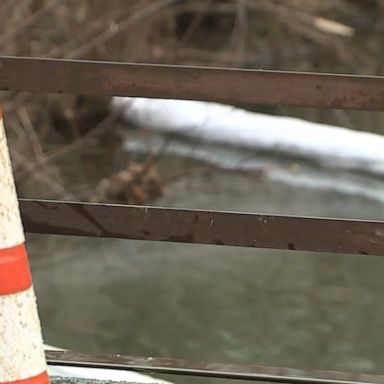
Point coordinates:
[(232, 86), (203, 227), (199, 369)]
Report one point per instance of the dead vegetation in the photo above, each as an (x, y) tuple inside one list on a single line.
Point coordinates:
[(135, 184), (47, 132)]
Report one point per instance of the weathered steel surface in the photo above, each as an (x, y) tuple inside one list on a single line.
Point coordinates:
[(228, 371), (211, 84), (204, 227), (76, 380)]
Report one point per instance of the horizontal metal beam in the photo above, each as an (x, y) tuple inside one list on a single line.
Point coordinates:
[(224, 371), (181, 82), (203, 227)]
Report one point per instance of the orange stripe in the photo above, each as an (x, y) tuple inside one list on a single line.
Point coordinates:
[(42, 378), (15, 275)]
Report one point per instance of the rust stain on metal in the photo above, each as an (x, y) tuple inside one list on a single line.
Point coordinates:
[(204, 227), (229, 86)]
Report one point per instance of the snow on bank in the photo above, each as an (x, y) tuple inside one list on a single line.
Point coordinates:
[(212, 122)]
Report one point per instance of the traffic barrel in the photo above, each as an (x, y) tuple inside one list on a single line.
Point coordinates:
[(22, 359)]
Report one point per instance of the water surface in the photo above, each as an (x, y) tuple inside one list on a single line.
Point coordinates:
[(223, 304)]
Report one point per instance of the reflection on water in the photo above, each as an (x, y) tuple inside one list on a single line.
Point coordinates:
[(264, 307)]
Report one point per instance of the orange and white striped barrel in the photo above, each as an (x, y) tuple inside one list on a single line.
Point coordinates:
[(22, 358)]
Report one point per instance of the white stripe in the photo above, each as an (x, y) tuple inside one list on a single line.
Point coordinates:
[(21, 346), (11, 230)]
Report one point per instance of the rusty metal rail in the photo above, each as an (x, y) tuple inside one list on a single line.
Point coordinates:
[(213, 370), (203, 227), (181, 82)]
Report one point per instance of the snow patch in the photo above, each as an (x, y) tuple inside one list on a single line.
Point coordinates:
[(332, 146)]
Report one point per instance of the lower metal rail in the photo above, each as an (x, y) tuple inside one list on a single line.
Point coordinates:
[(213, 370)]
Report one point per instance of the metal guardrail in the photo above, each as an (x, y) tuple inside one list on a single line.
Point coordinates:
[(203, 227), (230, 86), (213, 370), (197, 226)]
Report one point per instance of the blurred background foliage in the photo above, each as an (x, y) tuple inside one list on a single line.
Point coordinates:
[(48, 132)]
